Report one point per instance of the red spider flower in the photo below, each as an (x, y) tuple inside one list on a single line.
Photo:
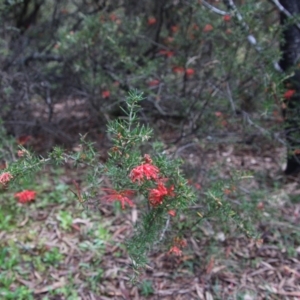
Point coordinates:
[(153, 82), (172, 212), (23, 139), (289, 94), (113, 17), (144, 170), (171, 191), (175, 250), (175, 28), (178, 70), (5, 177), (21, 153), (147, 159), (151, 21), (195, 27), (197, 186), (105, 94), (180, 242), (169, 40), (208, 28), (218, 114), (156, 195), (167, 53), (25, 196), (227, 18), (189, 72), (121, 196)]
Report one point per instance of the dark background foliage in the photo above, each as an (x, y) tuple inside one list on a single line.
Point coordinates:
[(67, 66)]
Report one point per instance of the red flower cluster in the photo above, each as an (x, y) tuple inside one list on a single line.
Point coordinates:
[(153, 82), (181, 70), (175, 28), (25, 196), (151, 21), (5, 177), (172, 212), (156, 195), (105, 94), (178, 70), (208, 28), (289, 94), (23, 139), (178, 243), (146, 170), (227, 18), (189, 72), (121, 196), (175, 250), (166, 53)]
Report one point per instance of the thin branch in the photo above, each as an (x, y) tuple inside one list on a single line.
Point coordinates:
[(251, 39), (40, 57), (263, 131), (214, 9), (230, 98), (162, 235), (284, 11)]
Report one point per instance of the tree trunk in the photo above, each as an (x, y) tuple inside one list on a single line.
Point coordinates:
[(290, 49)]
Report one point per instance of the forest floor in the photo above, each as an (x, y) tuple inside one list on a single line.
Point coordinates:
[(53, 249)]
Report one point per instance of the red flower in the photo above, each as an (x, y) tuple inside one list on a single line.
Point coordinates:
[(20, 153), (25, 196), (23, 139), (289, 94), (189, 72), (218, 114), (180, 242), (113, 17), (172, 212), (175, 28), (153, 82), (147, 159), (151, 21), (105, 94), (208, 28), (171, 191), (167, 53), (169, 39), (178, 70), (121, 196), (195, 27), (227, 18), (5, 177), (156, 195), (175, 250), (145, 170), (197, 186)]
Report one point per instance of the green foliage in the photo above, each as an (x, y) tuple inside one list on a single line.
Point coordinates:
[(160, 192), (104, 48), (202, 81), (146, 288), (65, 219)]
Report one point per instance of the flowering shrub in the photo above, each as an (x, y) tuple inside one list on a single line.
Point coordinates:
[(152, 182)]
